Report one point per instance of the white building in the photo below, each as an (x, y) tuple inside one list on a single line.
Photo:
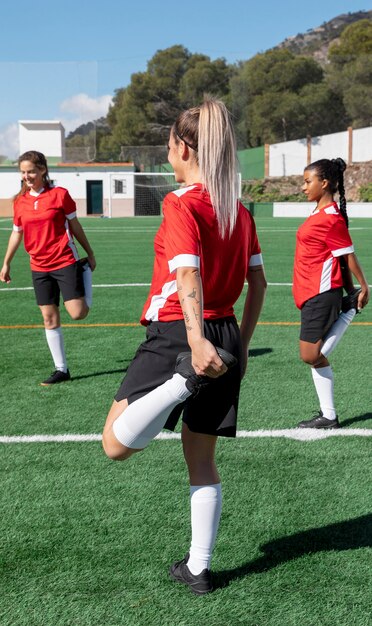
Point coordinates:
[(97, 188), (47, 135)]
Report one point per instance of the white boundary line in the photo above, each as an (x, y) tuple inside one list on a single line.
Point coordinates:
[(109, 286), (152, 229), (114, 285), (298, 434)]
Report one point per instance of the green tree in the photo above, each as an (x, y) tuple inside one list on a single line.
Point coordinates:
[(355, 40), (204, 76), (350, 72), (279, 96), (143, 112)]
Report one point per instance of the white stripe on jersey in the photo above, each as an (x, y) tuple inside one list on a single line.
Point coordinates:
[(71, 216), (158, 301), (256, 259), (17, 229), (71, 242), (326, 276), (179, 192), (342, 251), (184, 260)]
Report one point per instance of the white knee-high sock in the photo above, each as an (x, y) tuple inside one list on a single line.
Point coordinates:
[(143, 419), (337, 331), (87, 280), (206, 506), (56, 345), (323, 381)]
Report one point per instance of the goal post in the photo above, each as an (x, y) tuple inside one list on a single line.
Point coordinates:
[(150, 189)]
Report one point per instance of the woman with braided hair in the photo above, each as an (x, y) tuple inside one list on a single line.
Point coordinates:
[(324, 263)]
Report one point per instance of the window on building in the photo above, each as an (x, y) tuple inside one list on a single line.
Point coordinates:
[(120, 186)]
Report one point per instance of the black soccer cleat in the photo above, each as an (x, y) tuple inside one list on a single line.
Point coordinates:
[(319, 421), (193, 380), (56, 377), (351, 301), (199, 584)]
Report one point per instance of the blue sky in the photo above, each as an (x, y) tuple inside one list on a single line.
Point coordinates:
[(64, 60)]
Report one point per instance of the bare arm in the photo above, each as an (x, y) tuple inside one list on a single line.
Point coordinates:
[(78, 232), (13, 245), (355, 268), (205, 359), (252, 307)]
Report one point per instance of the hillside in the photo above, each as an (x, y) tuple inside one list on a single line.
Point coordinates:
[(316, 41), (287, 187)]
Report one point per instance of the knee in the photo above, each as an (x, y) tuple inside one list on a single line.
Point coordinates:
[(115, 450), (50, 322), (202, 471), (314, 360), (309, 359), (114, 454), (80, 314)]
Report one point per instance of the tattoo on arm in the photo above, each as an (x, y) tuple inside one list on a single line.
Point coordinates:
[(193, 295), (197, 317)]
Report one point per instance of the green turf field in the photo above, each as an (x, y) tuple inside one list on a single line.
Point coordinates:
[(88, 542)]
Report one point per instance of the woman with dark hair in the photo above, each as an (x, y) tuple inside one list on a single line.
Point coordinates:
[(324, 262), (195, 354), (45, 218)]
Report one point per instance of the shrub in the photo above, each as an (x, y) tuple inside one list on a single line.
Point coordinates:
[(365, 193), (256, 192)]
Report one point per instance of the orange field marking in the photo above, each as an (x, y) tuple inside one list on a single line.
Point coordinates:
[(136, 324)]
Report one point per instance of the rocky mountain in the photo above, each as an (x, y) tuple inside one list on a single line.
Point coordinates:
[(316, 41)]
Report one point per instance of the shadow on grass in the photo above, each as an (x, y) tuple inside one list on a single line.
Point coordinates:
[(120, 371), (356, 419), (349, 535), (259, 351)]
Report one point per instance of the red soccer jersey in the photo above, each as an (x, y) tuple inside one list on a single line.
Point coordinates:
[(189, 237), (43, 218), (321, 240)]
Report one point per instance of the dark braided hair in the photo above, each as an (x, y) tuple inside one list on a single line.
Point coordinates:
[(333, 171)]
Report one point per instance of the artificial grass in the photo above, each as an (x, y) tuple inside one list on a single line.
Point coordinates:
[(85, 541)]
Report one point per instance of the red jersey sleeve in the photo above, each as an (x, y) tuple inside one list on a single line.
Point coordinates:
[(338, 239), (17, 221), (254, 253), (68, 204), (182, 241)]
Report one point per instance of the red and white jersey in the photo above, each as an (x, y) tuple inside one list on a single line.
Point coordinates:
[(189, 237), (43, 218), (321, 240)]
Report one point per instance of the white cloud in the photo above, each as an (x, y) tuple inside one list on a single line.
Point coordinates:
[(81, 109), (73, 112), (9, 141)]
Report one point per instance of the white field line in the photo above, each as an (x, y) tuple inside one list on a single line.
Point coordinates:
[(106, 230), (153, 229), (109, 286), (114, 285), (298, 434), (95, 286), (294, 229)]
